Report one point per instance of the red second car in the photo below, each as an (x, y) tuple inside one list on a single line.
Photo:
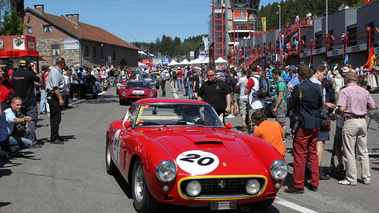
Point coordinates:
[(135, 90), (178, 152)]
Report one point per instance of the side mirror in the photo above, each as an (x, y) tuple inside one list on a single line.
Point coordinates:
[(127, 124), (228, 126)]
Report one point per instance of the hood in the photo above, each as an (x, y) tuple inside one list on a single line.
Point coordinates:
[(220, 142)]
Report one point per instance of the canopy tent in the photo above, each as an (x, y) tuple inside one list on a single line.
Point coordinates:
[(173, 63), (196, 61), (205, 61), (142, 64), (220, 60), (185, 62)]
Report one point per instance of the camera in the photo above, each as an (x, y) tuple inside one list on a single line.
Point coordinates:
[(295, 124)]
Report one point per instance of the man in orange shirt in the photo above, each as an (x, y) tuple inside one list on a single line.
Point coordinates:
[(269, 131)]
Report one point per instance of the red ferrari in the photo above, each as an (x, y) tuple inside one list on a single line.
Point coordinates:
[(135, 90), (178, 152)]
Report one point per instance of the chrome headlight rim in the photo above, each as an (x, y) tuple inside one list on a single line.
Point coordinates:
[(167, 166), (123, 93), (279, 165), (151, 94)]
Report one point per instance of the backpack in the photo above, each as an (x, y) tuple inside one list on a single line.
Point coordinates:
[(174, 75), (264, 88)]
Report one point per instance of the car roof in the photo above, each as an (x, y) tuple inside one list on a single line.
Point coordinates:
[(169, 100)]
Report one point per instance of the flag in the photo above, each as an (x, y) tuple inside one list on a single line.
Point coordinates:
[(371, 59), (346, 59)]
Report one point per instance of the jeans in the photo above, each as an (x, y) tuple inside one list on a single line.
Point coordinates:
[(31, 111), (17, 141), (42, 103), (180, 84), (190, 89)]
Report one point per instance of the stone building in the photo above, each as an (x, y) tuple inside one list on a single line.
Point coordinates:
[(79, 43)]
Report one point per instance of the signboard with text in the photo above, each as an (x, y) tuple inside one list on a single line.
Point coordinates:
[(71, 44)]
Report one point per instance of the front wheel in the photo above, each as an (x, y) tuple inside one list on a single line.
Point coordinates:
[(142, 200), (110, 166)]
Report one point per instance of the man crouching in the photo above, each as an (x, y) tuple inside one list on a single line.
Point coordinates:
[(12, 139)]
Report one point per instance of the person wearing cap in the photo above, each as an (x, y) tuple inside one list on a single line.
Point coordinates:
[(56, 88), (353, 103), (23, 82), (285, 73)]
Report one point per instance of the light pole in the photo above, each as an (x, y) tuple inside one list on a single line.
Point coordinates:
[(326, 19), (280, 18)]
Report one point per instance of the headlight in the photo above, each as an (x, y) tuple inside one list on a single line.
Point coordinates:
[(166, 171), (279, 170), (151, 94), (193, 188), (123, 93), (252, 186)]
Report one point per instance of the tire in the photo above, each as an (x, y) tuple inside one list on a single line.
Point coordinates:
[(264, 204), (122, 101), (94, 96), (142, 200), (109, 164)]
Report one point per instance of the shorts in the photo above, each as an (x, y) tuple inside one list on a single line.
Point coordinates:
[(281, 114), (243, 106), (251, 111), (323, 136), (236, 97), (338, 138)]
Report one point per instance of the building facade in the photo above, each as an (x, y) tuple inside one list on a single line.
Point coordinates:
[(79, 43)]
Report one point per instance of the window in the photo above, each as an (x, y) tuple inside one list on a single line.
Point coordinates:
[(30, 30), (46, 28), (55, 51), (94, 52), (101, 53), (86, 51), (114, 55)]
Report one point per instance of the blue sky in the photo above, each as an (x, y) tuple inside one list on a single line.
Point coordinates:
[(143, 20)]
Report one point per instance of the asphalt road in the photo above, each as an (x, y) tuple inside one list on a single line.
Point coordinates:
[(72, 177)]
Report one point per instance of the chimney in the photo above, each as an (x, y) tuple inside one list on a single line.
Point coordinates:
[(40, 8), (73, 17)]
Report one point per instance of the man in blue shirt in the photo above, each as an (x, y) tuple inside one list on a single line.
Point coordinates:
[(13, 140), (294, 79), (285, 74)]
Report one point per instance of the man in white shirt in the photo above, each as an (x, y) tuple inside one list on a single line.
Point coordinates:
[(242, 82)]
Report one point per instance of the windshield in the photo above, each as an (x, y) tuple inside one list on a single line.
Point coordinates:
[(177, 115), (138, 84)]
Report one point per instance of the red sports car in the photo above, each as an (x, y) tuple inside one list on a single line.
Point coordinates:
[(120, 85), (178, 152), (135, 90)]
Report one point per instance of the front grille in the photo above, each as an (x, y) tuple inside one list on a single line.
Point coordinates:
[(222, 187)]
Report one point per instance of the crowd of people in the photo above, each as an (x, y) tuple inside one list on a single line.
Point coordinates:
[(56, 86), (308, 97)]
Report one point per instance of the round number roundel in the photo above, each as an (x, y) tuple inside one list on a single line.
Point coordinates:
[(197, 162)]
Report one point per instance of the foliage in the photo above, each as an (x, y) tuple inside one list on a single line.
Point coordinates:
[(12, 24), (291, 8), (171, 47)]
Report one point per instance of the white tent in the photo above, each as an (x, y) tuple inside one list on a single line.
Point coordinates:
[(185, 62), (205, 61), (220, 60), (196, 61), (173, 63), (142, 64)]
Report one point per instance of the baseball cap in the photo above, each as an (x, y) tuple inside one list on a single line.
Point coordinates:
[(24, 62)]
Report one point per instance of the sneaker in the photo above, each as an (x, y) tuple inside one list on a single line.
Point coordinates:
[(75, 99), (293, 190), (346, 182), (230, 116), (56, 141), (366, 181)]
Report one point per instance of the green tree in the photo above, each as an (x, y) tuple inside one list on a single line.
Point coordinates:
[(12, 24)]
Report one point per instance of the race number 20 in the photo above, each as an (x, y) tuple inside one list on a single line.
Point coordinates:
[(197, 162)]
